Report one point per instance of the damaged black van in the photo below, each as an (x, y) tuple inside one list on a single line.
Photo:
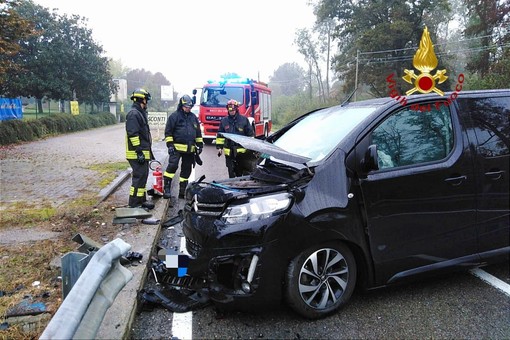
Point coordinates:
[(364, 194)]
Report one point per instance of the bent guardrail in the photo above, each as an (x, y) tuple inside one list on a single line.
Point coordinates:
[(81, 313)]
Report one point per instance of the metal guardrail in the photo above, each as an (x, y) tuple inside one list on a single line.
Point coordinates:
[(82, 311)]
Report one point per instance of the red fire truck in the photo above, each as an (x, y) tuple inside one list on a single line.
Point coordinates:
[(254, 99)]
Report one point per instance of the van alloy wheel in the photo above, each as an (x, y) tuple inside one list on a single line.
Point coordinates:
[(321, 280)]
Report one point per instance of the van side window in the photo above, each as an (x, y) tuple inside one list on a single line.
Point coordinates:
[(410, 137), (491, 124)]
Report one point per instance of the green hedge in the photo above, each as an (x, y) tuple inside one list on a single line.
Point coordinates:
[(14, 131)]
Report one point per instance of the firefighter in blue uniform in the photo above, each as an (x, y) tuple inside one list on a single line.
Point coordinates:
[(139, 148), (237, 158), (183, 139)]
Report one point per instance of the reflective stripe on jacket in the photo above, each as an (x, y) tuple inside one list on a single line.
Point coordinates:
[(138, 135), (237, 124), (183, 131)]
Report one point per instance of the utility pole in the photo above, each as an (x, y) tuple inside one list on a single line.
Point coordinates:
[(356, 78)]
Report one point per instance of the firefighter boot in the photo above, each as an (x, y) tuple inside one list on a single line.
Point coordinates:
[(147, 205), (166, 189), (182, 188), (134, 202)]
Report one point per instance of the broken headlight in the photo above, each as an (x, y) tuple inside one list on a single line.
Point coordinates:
[(256, 209)]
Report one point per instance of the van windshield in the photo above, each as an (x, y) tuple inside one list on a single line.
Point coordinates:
[(316, 135)]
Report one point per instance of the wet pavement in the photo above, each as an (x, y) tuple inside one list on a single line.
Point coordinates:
[(56, 170)]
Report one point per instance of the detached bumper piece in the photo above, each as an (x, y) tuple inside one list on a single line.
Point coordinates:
[(175, 300)]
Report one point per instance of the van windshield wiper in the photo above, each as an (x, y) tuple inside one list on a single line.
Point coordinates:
[(349, 98)]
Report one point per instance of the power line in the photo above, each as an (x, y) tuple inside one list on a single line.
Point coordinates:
[(446, 53), (416, 47)]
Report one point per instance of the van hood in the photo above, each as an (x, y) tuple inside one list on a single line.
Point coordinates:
[(326, 185), (266, 149)]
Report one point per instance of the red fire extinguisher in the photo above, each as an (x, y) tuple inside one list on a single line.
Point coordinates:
[(157, 174)]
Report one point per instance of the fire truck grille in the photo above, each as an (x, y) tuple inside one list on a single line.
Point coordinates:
[(214, 118)]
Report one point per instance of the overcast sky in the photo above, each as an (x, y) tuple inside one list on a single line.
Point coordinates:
[(191, 41)]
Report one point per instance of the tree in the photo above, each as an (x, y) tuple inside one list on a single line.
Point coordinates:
[(287, 80), (488, 20), (35, 78), (117, 69), (92, 81), (140, 78), (309, 49), (393, 28), (14, 29), (61, 62), (325, 29)]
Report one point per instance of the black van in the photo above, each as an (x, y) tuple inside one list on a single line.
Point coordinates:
[(366, 193)]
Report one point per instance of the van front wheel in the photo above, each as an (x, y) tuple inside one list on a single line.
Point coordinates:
[(320, 280)]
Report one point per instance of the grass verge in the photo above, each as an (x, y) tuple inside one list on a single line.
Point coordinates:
[(108, 171), (24, 263)]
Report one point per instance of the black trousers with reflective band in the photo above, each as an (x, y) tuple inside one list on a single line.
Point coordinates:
[(138, 182), (186, 164)]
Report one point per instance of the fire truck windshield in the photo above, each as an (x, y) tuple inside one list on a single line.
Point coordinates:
[(219, 96)]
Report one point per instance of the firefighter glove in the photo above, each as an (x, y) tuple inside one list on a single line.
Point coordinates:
[(199, 150), (171, 150), (140, 157)]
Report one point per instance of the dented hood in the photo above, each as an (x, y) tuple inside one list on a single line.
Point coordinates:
[(265, 148)]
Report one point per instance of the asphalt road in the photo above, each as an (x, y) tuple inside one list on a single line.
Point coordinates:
[(456, 306)]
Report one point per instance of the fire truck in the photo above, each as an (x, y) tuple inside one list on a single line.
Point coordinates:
[(254, 99)]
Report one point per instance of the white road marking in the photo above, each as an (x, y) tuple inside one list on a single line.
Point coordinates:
[(182, 322), (492, 280), (181, 325)]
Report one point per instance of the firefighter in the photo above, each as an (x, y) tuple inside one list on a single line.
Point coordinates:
[(183, 139), (139, 148), (236, 157)]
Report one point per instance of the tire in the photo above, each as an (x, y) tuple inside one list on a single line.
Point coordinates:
[(314, 291)]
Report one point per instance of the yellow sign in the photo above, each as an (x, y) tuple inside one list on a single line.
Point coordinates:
[(75, 108), (425, 60)]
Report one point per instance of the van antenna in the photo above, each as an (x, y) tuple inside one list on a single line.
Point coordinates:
[(349, 98)]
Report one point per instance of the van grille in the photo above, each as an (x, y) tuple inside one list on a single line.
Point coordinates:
[(192, 247), (204, 209)]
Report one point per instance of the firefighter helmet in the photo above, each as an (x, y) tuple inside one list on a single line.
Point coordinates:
[(186, 101), (140, 94), (232, 105)]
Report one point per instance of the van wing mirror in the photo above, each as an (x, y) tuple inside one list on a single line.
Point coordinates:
[(370, 161)]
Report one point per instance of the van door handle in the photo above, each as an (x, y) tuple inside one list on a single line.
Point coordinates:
[(495, 175), (455, 180)]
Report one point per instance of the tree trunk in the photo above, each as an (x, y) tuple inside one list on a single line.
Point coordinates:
[(310, 79), (39, 105)]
